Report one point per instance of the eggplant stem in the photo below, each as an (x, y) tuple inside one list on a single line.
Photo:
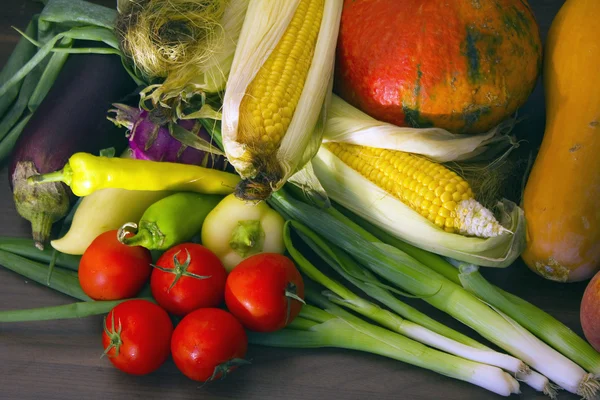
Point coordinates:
[(56, 176)]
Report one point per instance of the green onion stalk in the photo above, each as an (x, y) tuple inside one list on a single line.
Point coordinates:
[(544, 325), (61, 280), (66, 311), (351, 271), (548, 328), (334, 327), (410, 275), (26, 248)]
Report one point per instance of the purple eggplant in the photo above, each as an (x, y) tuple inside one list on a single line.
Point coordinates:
[(71, 118), (151, 138)]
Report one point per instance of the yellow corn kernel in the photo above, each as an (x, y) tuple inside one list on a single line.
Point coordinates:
[(427, 187), (275, 90), (446, 197), (444, 212)]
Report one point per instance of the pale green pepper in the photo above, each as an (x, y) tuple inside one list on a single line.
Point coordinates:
[(236, 229), (170, 221)]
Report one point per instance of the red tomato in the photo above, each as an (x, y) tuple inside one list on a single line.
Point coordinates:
[(111, 270), (137, 334), (257, 292), (187, 277), (208, 344)]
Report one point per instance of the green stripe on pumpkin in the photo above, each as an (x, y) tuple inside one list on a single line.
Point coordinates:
[(413, 117), (471, 117), (516, 21), (417, 90), (472, 53)]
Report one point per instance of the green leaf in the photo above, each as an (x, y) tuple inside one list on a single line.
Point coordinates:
[(55, 64), (22, 52), (108, 152), (28, 86), (189, 139), (9, 141), (78, 13), (86, 33)]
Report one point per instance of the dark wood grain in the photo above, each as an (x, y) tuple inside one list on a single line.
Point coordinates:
[(61, 359)]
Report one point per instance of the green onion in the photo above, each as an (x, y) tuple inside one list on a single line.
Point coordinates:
[(55, 64), (433, 261), (343, 330), (410, 275), (18, 109), (8, 143), (62, 280), (83, 33), (548, 328), (301, 324), (361, 278), (346, 298), (366, 281), (67, 311), (26, 248), (22, 52), (542, 324), (79, 12)]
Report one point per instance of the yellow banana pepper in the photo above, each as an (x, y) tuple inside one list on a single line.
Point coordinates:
[(86, 173)]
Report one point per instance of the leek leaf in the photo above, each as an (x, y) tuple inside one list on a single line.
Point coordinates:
[(78, 13), (22, 52)]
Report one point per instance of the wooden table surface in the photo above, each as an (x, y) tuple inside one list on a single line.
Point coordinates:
[(61, 359)]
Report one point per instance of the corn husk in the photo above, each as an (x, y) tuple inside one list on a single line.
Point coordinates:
[(265, 23), (346, 123), (187, 45), (359, 195)]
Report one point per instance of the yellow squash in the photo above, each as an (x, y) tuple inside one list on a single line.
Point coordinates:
[(562, 195)]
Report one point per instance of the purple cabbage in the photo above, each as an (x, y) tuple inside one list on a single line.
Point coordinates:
[(151, 140)]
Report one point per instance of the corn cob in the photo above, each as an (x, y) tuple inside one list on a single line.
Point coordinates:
[(272, 97), (269, 116), (429, 188)]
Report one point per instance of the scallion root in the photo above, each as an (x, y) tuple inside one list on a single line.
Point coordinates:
[(551, 390), (588, 387)]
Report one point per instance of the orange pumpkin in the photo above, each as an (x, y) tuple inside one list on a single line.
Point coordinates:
[(462, 65), (562, 195)]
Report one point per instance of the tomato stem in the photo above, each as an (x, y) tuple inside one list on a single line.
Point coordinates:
[(114, 335), (180, 269), (291, 291), (226, 367)]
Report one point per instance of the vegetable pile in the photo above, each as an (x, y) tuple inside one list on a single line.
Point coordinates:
[(239, 197)]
